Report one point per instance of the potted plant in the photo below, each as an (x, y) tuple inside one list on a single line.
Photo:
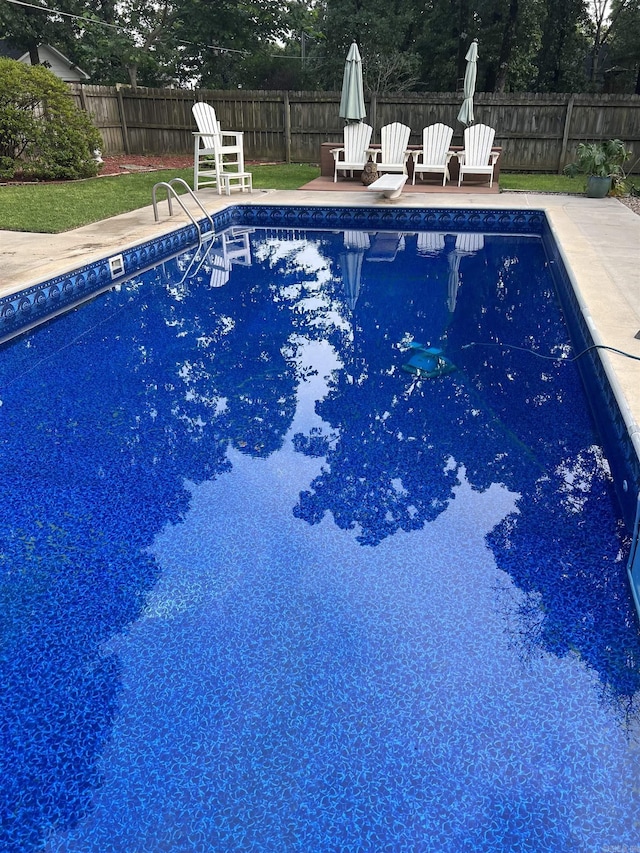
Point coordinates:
[(602, 163)]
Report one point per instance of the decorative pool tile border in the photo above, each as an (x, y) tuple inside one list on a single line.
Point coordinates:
[(40, 302), (396, 218)]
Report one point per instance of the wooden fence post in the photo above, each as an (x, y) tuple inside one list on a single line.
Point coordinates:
[(83, 100), (565, 135), (287, 128), (123, 121), (374, 112)]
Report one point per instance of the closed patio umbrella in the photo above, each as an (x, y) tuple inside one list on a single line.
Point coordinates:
[(465, 116), (352, 100), (355, 244), (466, 246), (351, 263)]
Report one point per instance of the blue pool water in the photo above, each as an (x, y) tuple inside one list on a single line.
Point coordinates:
[(265, 590)]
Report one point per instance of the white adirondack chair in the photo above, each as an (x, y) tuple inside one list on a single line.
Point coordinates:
[(393, 153), (356, 240), (219, 269), (236, 245), (218, 154), (430, 243), (477, 157), (353, 155), (435, 155), (469, 243)]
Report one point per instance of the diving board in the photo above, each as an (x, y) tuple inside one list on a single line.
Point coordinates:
[(389, 185)]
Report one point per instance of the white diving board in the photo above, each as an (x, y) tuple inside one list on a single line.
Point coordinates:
[(389, 185)]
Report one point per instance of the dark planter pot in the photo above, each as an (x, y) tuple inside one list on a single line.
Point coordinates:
[(597, 187)]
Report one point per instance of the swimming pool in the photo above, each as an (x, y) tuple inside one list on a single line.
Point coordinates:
[(267, 589)]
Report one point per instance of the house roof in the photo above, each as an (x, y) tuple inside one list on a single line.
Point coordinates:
[(48, 55)]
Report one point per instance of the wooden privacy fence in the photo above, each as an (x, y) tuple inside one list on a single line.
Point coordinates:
[(538, 133)]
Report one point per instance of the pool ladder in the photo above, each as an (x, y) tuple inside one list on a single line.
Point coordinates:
[(171, 194)]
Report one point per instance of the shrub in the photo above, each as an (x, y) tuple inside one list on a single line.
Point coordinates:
[(43, 135)]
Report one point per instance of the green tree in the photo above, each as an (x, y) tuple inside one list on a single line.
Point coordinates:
[(412, 45), (130, 42), (443, 33), (622, 69), (291, 61), (510, 36), (217, 38), (278, 67), (385, 32), (606, 20), (563, 47), (304, 40), (26, 28)]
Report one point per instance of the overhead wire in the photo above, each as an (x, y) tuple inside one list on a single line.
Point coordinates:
[(65, 14), (101, 23), (119, 27)]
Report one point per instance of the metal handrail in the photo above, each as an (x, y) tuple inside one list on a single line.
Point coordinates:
[(189, 272), (171, 194)]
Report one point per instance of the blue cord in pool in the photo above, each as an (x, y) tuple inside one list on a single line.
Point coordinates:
[(551, 357)]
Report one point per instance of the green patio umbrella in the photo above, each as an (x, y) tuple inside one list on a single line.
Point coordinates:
[(465, 116), (352, 100)]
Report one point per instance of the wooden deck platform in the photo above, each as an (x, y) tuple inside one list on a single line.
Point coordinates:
[(433, 184)]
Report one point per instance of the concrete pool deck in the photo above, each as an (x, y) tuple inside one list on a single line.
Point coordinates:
[(599, 240)]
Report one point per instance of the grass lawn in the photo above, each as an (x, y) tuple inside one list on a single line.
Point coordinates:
[(542, 183), (54, 207)]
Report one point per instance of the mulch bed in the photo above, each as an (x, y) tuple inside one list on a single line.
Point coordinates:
[(122, 164)]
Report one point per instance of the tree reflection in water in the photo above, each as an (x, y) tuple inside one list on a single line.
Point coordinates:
[(112, 410), (504, 416)]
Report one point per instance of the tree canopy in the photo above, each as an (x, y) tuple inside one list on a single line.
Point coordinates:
[(538, 45)]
